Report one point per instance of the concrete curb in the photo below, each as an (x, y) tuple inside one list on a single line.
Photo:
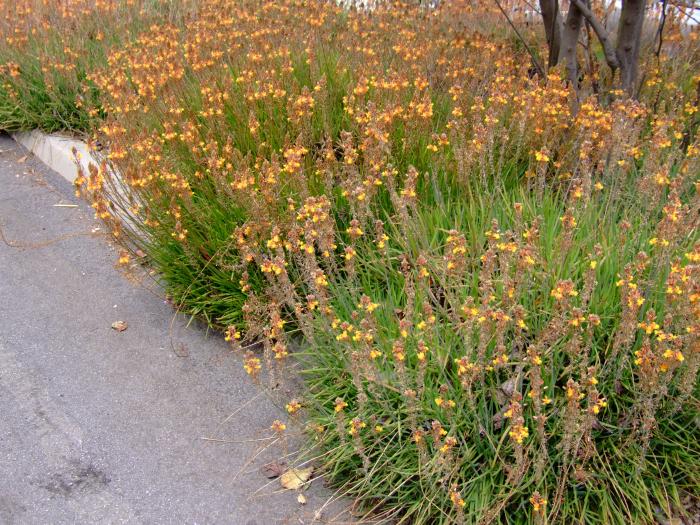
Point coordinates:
[(56, 151)]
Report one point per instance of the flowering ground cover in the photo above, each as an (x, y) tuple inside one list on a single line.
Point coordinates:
[(493, 276)]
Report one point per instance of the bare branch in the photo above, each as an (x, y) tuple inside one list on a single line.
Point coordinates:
[(601, 33), (660, 31), (681, 8), (540, 69), (688, 4)]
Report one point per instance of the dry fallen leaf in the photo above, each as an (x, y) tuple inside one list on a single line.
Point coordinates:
[(301, 499), (22, 159), (119, 326), (294, 478), (274, 469), (180, 350)]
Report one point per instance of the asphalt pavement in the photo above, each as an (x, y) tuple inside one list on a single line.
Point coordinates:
[(101, 426)]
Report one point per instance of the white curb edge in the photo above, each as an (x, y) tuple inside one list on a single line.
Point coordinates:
[(56, 151)]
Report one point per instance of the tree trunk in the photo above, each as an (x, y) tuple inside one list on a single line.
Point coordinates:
[(569, 41), (629, 36), (551, 16)]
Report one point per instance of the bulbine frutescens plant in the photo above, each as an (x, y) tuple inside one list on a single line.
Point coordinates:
[(497, 294), (504, 354), (547, 356), (48, 50)]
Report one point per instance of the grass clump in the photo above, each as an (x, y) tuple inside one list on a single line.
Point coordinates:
[(494, 279)]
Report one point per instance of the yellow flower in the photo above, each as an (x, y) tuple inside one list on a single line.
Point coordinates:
[(278, 426), (123, 258), (252, 365), (500, 359), (541, 156), (293, 406), (455, 497), (519, 433), (231, 333), (538, 502)]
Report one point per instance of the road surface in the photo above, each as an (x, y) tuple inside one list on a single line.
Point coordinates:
[(100, 426)]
